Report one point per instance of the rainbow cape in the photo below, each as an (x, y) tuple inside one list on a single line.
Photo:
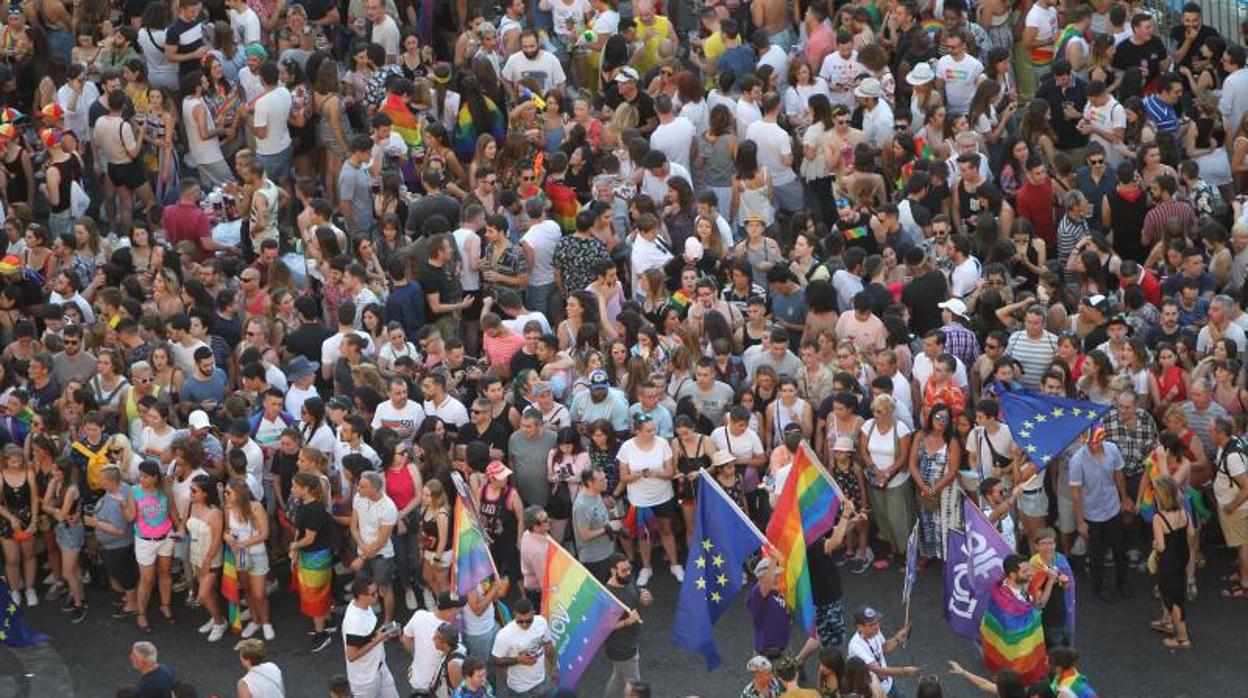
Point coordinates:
[(563, 205), (806, 511), (1193, 501), (1074, 682), (1063, 566), (471, 563), (1064, 38), (1012, 636), (467, 131), (231, 590), (580, 610), (406, 124)]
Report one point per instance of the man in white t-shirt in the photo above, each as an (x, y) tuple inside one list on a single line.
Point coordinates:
[(1039, 36), (739, 439), (958, 73), (655, 170), (840, 69), (398, 413), (674, 135), (747, 105), (771, 54), (649, 252), (439, 403), (1104, 121), (966, 270), (1230, 489), (869, 645), (418, 635), (534, 64), (364, 640), (244, 21), (385, 29), (775, 152), (539, 243), (525, 651), (269, 124), (373, 518)]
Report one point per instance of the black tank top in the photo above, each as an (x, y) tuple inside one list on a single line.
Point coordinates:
[(71, 171), (495, 517), (18, 186)]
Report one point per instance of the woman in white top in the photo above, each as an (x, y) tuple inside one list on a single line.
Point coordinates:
[(161, 72), (263, 679), (121, 454), (396, 346), (788, 409), (247, 528), (157, 435), (313, 427), (205, 525), (107, 384), (884, 444), (647, 468), (803, 84)]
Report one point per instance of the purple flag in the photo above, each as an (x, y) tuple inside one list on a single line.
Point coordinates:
[(972, 565)]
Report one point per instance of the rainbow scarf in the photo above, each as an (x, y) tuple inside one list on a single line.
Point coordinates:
[(466, 131), (1193, 501), (471, 563), (580, 610), (406, 124), (1037, 580), (1064, 38), (312, 577), (231, 590), (806, 510), (563, 205), (1012, 636), (1073, 682)]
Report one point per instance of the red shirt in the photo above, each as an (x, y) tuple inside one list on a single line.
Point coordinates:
[(1036, 204), (1150, 285), (187, 222)]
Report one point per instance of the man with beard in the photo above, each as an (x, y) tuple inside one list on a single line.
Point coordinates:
[(532, 64)]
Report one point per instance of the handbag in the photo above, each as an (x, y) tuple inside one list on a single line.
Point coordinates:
[(560, 504), (79, 202)]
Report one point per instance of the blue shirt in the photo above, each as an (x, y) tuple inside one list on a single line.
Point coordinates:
[(1161, 113), (406, 305), (1096, 477), (662, 419), (741, 59)]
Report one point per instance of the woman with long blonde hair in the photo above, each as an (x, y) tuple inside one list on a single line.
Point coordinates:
[(435, 522), (246, 530)]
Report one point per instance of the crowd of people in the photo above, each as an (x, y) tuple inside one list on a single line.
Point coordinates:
[(284, 281)]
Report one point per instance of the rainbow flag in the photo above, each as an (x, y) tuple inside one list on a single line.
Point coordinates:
[(1193, 501), (312, 577), (580, 610), (563, 205), (1074, 682), (471, 563), (1012, 636), (858, 232), (1037, 581), (467, 131), (807, 509), (405, 122), (231, 590), (1070, 32)]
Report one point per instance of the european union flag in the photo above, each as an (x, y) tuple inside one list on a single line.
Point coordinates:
[(13, 631), (1043, 425), (723, 539)]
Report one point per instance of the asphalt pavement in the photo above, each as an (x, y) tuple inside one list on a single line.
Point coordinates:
[(1120, 655)]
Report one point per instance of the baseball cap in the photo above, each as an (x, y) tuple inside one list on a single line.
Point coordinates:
[(598, 380), (198, 420), (758, 663), (340, 402), (867, 615), (762, 565), (955, 306), (627, 74), (1097, 301), (447, 601)]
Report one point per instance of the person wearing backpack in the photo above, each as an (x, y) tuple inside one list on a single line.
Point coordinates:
[(1230, 488)]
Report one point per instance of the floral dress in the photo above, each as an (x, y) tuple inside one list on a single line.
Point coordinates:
[(935, 522), (157, 160)]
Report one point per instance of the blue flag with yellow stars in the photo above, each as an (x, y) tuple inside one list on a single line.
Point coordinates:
[(723, 539), (13, 631), (1042, 425)]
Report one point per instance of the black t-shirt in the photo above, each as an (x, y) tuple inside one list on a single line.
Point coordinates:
[(157, 683), (922, 296), (1146, 57), (1098, 336), (306, 340), (317, 9), (42, 398), (643, 103), (936, 196), (1076, 94), (436, 280), (229, 329), (313, 517), (521, 361), (284, 466), (495, 435), (825, 578), (857, 232), (1203, 34), (186, 38), (424, 208), (622, 644), (1053, 614)]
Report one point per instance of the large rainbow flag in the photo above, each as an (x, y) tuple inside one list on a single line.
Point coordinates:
[(1193, 501), (1012, 636), (1074, 682), (471, 563), (1068, 593), (807, 509), (406, 124), (580, 610), (231, 590)]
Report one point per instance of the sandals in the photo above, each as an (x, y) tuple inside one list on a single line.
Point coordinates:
[(1238, 591), (144, 626), (1162, 627), (1174, 643), (167, 612)]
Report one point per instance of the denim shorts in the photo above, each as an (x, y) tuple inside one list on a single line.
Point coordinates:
[(69, 537), (277, 166)]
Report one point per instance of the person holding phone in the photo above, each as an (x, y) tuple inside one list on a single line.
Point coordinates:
[(363, 640)]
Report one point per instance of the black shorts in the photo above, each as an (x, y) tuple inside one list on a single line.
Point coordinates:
[(665, 510), (121, 566), (128, 175)]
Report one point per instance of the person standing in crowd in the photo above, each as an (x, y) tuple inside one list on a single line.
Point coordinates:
[(1098, 487)]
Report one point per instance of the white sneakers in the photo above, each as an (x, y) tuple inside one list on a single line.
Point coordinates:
[(32, 599), (269, 632), (643, 577), (409, 598), (250, 629), (206, 627), (218, 631), (679, 573)]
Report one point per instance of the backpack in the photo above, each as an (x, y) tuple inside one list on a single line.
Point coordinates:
[(1235, 445)]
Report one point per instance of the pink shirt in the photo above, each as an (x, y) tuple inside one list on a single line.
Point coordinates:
[(533, 558), (499, 350), (819, 44)]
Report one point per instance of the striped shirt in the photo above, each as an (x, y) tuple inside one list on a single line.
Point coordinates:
[(1160, 213), (1200, 421), (1162, 114), (1034, 355)]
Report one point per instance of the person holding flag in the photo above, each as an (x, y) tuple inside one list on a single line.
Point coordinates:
[(870, 645), (1058, 613), (1011, 634), (624, 642)]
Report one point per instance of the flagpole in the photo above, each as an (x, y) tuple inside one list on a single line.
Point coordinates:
[(589, 574), (710, 481)]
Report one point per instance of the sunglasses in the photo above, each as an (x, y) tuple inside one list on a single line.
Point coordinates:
[(1096, 161)]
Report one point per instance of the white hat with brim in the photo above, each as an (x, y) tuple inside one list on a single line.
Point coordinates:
[(869, 87), (920, 74)]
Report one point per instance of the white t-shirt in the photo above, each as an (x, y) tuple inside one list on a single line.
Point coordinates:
[(882, 449), (273, 111), (960, 78), (674, 139), (425, 661), (372, 516), (1108, 117), (1044, 21), (409, 417), (544, 70), (871, 652), (331, 348), (386, 33), (745, 446), (513, 641), (747, 113), (362, 622), (778, 59), (773, 144), (964, 278), (839, 73), (451, 411), (656, 187), (1224, 488), (646, 255), (648, 491), (542, 237), (246, 25), (517, 323), (922, 370), (296, 396), (569, 18)]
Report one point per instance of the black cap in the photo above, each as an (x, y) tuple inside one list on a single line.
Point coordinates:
[(447, 601)]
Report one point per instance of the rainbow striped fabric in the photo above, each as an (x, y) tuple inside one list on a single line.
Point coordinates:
[(1073, 682), (406, 124), (471, 563), (313, 576), (1012, 636), (858, 232), (580, 610), (807, 509), (1193, 500), (231, 590), (467, 131), (563, 205)]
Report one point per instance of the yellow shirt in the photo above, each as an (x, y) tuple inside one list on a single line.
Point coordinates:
[(712, 49), (654, 34)]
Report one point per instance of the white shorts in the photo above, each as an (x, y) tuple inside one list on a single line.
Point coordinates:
[(146, 551), (1034, 504)]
